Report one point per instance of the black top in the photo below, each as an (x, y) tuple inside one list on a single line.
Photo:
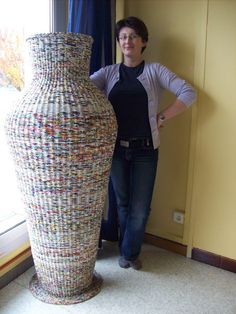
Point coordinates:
[(130, 102)]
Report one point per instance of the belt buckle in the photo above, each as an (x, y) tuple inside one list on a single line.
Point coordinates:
[(124, 143)]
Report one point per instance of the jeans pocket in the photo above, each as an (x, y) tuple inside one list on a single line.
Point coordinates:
[(146, 154)]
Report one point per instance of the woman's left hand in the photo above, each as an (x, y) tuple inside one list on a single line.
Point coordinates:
[(169, 112)]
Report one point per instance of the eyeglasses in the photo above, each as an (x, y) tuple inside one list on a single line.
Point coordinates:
[(125, 36)]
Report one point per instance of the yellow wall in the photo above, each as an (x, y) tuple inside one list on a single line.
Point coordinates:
[(214, 197), (197, 168)]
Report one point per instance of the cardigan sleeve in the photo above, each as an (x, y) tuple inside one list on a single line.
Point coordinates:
[(170, 81), (99, 79)]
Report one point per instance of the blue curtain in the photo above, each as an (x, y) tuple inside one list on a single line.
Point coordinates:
[(97, 18)]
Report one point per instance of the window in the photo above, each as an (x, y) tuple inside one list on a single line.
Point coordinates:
[(18, 20)]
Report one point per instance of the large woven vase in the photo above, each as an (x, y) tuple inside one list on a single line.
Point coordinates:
[(62, 136)]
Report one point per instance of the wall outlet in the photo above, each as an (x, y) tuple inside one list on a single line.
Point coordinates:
[(178, 217)]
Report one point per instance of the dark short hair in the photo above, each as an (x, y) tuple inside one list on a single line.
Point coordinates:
[(136, 24)]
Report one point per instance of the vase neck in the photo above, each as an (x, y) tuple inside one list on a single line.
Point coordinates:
[(54, 55)]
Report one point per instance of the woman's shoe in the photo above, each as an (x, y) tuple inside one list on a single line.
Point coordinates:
[(123, 262), (136, 264)]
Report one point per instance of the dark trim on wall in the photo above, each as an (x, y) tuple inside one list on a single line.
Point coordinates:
[(197, 254), (214, 259), (166, 244)]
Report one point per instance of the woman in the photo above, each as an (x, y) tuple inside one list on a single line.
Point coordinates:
[(134, 88)]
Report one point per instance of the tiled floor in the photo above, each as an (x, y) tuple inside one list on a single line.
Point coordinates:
[(167, 284)]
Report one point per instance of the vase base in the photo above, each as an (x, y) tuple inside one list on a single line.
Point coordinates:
[(43, 295)]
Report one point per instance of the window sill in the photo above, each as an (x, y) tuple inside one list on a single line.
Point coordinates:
[(13, 242)]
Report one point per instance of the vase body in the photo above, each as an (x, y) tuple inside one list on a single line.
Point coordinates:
[(62, 134)]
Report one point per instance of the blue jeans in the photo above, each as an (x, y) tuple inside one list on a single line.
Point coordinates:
[(133, 175)]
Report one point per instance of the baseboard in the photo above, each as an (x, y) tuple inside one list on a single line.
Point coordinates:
[(214, 259), (166, 244), (15, 267)]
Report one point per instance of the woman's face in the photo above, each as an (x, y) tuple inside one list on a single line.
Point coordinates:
[(130, 43)]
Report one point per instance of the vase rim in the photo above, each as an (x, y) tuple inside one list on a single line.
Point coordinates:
[(76, 36)]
